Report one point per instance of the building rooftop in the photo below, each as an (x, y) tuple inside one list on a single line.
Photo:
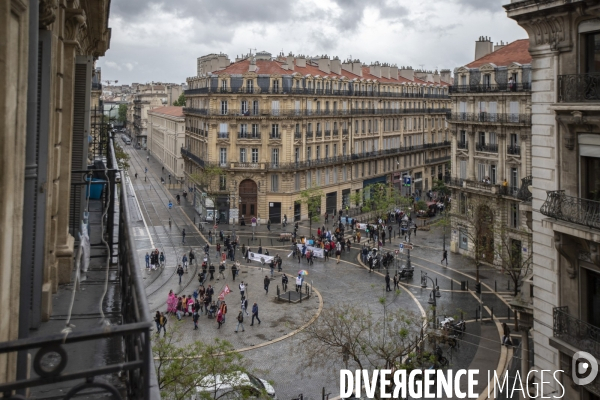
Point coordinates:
[(172, 111), (517, 51)]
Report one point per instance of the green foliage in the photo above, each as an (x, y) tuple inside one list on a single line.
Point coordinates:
[(380, 197), (515, 264), (181, 368), (209, 180), (122, 116), (180, 102), (311, 198), (420, 205), (438, 185), (121, 156)]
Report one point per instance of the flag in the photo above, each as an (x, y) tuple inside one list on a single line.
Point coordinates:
[(224, 292)]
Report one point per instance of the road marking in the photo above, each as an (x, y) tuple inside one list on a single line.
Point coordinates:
[(140, 209)]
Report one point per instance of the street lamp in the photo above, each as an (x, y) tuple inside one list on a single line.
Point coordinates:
[(435, 293)]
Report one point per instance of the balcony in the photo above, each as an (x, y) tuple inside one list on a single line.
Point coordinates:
[(344, 131), (488, 88), (309, 134), (575, 332), (488, 148), (462, 145), (248, 165), (275, 136), (248, 135), (483, 117), (437, 160), (524, 193), (188, 154), (71, 355), (327, 133), (571, 209), (319, 133), (514, 150), (222, 135), (336, 132), (578, 88), (456, 182), (297, 135)]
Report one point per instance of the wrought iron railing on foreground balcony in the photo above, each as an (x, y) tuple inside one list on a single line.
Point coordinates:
[(482, 117), (488, 148), (571, 209), (579, 88), (313, 113), (64, 363), (489, 88), (524, 194), (580, 334), (187, 153)]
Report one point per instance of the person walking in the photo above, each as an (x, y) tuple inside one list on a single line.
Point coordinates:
[(240, 319), (272, 267), (224, 310), (162, 322), (269, 224), (157, 320), (192, 256), (255, 314), (506, 335), (445, 257), (222, 270), (195, 318), (242, 289), (396, 281), (387, 282), (299, 283), (183, 236), (338, 253), (219, 318), (184, 261), (162, 259), (267, 282), (245, 305), (284, 282), (147, 261), (234, 270), (180, 272)]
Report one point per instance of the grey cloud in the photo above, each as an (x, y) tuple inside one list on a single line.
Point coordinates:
[(482, 5), (352, 13)]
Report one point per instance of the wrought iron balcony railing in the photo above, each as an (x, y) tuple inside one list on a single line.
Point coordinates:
[(489, 88), (248, 135), (488, 148), (275, 136), (485, 117), (223, 135), (578, 88), (450, 181), (571, 209), (187, 153), (576, 332), (437, 160), (524, 194), (514, 150), (298, 135), (462, 145), (336, 132)]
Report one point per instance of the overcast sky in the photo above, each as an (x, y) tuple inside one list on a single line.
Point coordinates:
[(159, 40)]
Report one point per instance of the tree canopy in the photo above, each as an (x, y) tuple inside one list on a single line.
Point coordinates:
[(180, 102)]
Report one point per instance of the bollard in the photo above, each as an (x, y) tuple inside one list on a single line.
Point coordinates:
[(508, 312), (451, 284), (436, 282), (290, 296), (507, 284), (476, 314), (300, 292), (492, 313), (467, 285), (495, 287), (278, 293)]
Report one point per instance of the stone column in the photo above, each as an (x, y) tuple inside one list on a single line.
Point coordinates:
[(453, 149), (523, 137), (471, 166), (74, 23)]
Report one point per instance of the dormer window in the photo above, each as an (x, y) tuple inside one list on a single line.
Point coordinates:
[(224, 84), (250, 86), (276, 85)]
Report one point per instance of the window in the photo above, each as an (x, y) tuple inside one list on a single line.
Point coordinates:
[(326, 151), (327, 176), (275, 107), (243, 156), (275, 157), (254, 130), (276, 86), (243, 130), (223, 106), (335, 152), (318, 152), (255, 107), (223, 84), (308, 180), (463, 136), (335, 174), (345, 173), (514, 179), (308, 153), (297, 182), (493, 174), (244, 106), (463, 169), (318, 176), (254, 156), (355, 126), (223, 156), (275, 131), (249, 86), (344, 149), (513, 215), (590, 181), (222, 182), (592, 61), (481, 172), (482, 138), (463, 203), (275, 183), (296, 154)]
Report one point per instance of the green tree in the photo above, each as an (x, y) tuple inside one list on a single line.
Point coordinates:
[(421, 205), (182, 368), (122, 116), (438, 185), (211, 179), (515, 264), (180, 102), (311, 198), (121, 156)]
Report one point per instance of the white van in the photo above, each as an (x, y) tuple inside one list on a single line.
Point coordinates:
[(127, 140), (237, 386)]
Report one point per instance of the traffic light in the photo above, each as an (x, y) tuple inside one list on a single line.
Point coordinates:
[(478, 288)]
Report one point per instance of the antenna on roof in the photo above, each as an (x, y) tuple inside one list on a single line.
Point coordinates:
[(251, 50), (421, 65)]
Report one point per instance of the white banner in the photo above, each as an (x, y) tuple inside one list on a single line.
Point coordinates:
[(362, 226), (261, 258), (316, 251)]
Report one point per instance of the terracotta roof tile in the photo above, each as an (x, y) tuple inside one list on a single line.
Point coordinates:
[(172, 111), (517, 51)]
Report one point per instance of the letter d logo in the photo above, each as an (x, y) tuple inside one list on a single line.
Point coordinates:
[(584, 363)]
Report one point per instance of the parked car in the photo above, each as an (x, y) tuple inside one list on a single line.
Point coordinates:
[(238, 385)]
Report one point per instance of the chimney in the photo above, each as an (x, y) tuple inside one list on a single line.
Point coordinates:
[(385, 71), (407, 73), (290, 61), (252, 66), (375, 69), (336, 65), (421, 74), (357, 67), (436, 76), (394, 72), (500, 45), (446, 76), (483, 47), (347, 65), (300, 61), (323, 63)]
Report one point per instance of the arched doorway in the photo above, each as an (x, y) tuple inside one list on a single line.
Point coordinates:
[(485, 234), (248, 198)]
